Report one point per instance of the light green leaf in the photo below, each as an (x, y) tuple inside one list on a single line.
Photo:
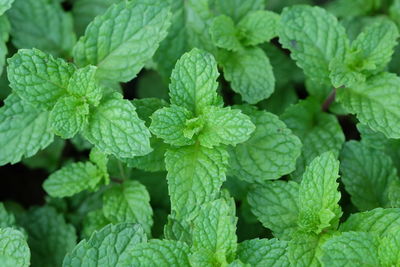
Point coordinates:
[(206, 257), (83, 85), (93, 221), (370, 138), (270, 153), (13, 248), (224, 34), (193, 82), (224, 126), (195, 176), (38, 78), (134, 31), (379, 221), (5, 5), (72, 179), (115, 128), (318, 131), (129, 202), (367, 174), (7, 219), (101, 160), (169, 124), (351, 249), (49, 236), (42, 24), (4, 36), (275, 204), (249, 72), (305, 250), (314, 38), (375, 103), (214, 229), (106, 247), (24, 130), (258, 27), (394, 11), (263, 252), (68, 116), (237, 9), (389, 250)]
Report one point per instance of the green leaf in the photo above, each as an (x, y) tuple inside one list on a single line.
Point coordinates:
[(225, 126), (389, 250), (270, 152), (195, 176), (42, 24), (4, 36), (83, 85), (375, 103), (49, 236), (5, 5), (134, 31), (275, 204), (101, 160), (319, 195), (115, 128), (237, 9), (314, 37), (379, 221), (305, 250), (72, 179), (249, 72), (93, 221), (224, 33), (318, 131), (14, 250), (129, 202), (24, 130), (106, 247), (39, 78), (7, 219), (145, 107), (68, 116), (214, 229), (169, 124), (258, 27), (370, 138), (351, 249), (263, 252), (367, 174), (157, 253), (193, 82)]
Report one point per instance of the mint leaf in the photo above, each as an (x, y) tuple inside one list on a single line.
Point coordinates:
[(7, 219), (68, 116), (258, 27), (115, 128), (375, 103), (134, 31), (249, 72), (83, 85), (304, 250), (42, 24), (270, 152), (4, 36), (314, 38), (263, 252), (93, 221), (72, 179), (224, 33), (352, 248), (5, 5), (39, 78), (106, 247), (14, 250), (319, 195), (237, 9), (128, 202), (389, 250), (24, 130), (193, 82), (224, 126), (195, 176), (367, 175), (275, 204)]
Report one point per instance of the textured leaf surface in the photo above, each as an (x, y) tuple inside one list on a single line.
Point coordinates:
[(38, 77), (5, 5), (224, 34), (106, 247), (129, 202), (134, 31), (83, 85), (304, 251), (389, 250), (275, 204), (375, 103), (263, 252), (195, 175), (115, 128), (270, 152), (72, 179), (314, 38), (24, 130), (249, 72), (237, 9), (367, 175), (13, 248)]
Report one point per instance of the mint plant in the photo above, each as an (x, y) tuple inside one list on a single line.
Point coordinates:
[(199, 133)]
